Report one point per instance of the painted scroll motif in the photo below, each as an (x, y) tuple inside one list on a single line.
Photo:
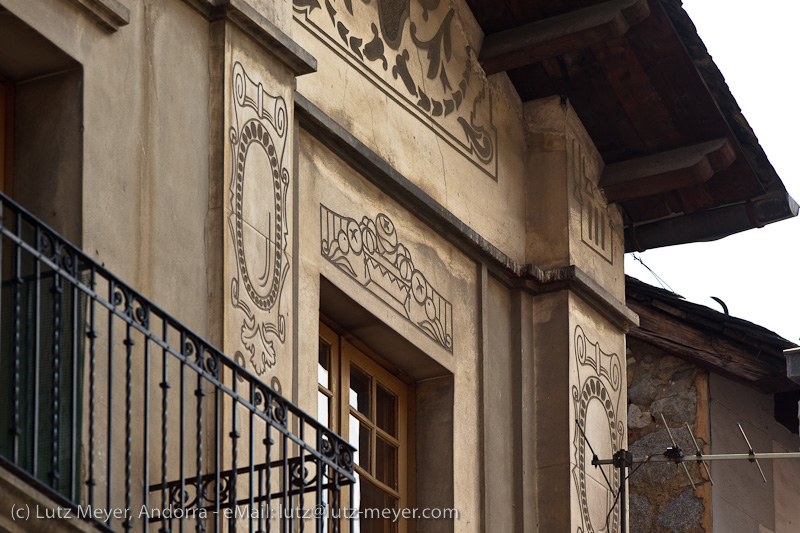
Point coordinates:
[(369, 251), (596, 399), (410, 51), (258, 223)]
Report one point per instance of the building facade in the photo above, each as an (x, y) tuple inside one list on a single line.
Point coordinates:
[(401, 222)]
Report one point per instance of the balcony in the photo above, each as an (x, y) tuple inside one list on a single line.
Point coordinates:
[(115, 411)]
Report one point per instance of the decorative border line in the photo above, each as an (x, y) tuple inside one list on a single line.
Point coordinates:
[(480, 144)]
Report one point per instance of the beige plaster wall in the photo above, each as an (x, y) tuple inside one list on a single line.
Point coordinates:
[(145, 144), (741, 501), (257, 210), (434, 147), (333, 197), (568, 220)]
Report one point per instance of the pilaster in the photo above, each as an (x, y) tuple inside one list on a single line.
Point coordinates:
[(579, 363)]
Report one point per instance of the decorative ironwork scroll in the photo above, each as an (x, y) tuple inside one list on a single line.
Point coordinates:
[(596, 396), (370, 252), (424, 65), (259, 228)]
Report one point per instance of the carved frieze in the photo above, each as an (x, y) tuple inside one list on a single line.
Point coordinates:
[(371, 253), (410, 51)]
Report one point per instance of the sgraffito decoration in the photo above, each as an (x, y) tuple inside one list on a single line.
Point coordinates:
[(597, 229), (258, 221), (369, 252), (412, 54), (596, 399)]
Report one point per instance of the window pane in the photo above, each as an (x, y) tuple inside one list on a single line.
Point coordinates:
[(324, 368), (360, 385), (386, 463), (323, 409), (373, 501), (360, 437), (386, 410)]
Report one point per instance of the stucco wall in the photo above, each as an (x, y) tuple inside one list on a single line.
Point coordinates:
[(145, 148), (741, 501)]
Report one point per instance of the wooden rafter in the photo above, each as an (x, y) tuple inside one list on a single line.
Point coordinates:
[(555, 36), (667, 171)]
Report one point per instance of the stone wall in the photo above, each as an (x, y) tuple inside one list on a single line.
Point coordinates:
[(661, 497)]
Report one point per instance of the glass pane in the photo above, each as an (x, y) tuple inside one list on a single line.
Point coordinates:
[(360, 437), (323, 409), (324, 368), (373, 518), (386, 462), (386, 410), (360, 385)]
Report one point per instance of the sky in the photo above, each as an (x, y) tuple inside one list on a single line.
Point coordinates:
[(756, 272)]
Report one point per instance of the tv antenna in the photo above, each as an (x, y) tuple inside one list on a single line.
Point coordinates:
[(624, 461)]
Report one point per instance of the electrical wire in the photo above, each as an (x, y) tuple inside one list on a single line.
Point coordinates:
[(616, 496), (659, 279)]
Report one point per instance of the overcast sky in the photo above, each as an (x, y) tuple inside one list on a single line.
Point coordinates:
[(756, 273)]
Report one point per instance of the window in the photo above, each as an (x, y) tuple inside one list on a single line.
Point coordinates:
[(41, 317), (364, 402)]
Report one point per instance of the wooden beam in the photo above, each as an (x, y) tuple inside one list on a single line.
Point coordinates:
[(667, 171), (559, 35), (762, 369)]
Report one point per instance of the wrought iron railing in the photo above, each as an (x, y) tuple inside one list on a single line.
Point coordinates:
[(114, 408)]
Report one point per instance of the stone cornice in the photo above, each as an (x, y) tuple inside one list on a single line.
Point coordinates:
[(258, 27), (110, 15)]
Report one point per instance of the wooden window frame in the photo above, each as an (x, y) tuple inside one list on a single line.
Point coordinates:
[(343, 353)]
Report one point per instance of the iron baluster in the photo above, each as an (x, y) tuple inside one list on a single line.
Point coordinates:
[(36, 354), (113, 295), (302, 477), (287, 523), (128, 408), (164, 439), (217, 459), (251, 421), (17, 430), (200, 393), (55, 290), (234, 434), (146, 437), (182, 450), (268, 444), (91, 334), (73, 478)]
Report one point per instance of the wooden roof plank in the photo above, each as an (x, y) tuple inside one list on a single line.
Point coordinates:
[(762, 369)]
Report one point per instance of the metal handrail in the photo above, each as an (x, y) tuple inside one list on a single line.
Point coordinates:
[(80, 310)]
